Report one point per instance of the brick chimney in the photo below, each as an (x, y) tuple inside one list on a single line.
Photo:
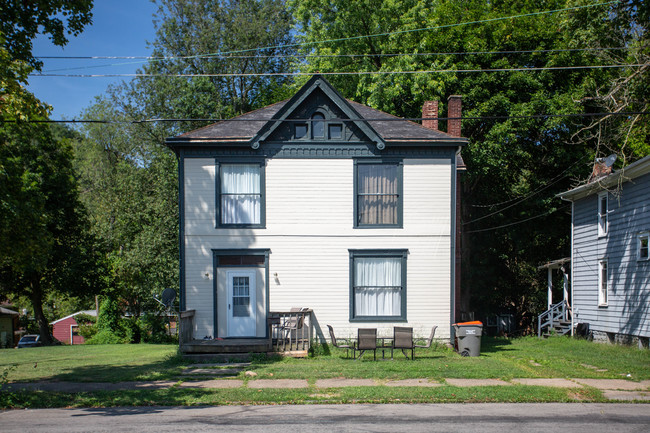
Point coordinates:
[(454, 113), (430, 115)]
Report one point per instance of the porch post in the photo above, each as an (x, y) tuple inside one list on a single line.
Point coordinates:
[(550, 288)]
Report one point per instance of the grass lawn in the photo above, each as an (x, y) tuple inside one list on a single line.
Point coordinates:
[(557, 357)]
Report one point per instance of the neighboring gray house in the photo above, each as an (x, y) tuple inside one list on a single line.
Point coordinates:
[(609, 256)]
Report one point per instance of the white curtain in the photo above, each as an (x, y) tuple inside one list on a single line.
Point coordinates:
[(378, 286), (378, 196), (240, 194)]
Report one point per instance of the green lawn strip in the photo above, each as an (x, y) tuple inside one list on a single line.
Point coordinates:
[(379, 394), (92, 363), (557, 357)]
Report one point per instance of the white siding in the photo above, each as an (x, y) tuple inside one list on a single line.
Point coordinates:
[(309, 230)]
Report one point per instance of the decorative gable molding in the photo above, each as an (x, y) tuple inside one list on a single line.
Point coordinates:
[(315, 83)]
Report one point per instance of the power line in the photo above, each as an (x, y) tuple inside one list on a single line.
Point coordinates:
[(387, 119), (295, 74), (325, 41), (550, 183), (307, 56), (519, 222)]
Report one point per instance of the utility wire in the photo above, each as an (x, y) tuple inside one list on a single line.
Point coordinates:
[(295, 74), (296, 56), (518, 222), (387, 119), (550, 183), (399, 32), (281, 56)]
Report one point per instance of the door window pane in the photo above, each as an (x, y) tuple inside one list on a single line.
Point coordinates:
[(241, 297)]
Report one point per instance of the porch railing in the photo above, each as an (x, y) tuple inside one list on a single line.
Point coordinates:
[(560, 312), (291, 331), (186, 330)]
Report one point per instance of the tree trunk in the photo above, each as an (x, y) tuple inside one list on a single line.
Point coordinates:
[(36, 296)]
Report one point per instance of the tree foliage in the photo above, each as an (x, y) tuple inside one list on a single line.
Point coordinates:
[(518, 159), (21, 21)]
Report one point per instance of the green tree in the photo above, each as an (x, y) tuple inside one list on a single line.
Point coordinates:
[(128, 178), (21, 21), (517, 162)]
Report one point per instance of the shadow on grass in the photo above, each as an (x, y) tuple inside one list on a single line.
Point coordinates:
[(495, 344)]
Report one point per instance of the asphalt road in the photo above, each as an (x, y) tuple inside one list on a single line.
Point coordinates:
[(499, 417)]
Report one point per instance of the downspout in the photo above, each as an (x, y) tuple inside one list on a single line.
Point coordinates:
[(572, 262), (452, 243)]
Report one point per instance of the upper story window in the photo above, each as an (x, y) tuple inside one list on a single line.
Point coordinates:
[(378, 194), (241, 195), (319, 128), (642, 247), (602, 214)]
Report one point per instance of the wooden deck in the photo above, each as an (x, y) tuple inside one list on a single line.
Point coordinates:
[(290, 336)]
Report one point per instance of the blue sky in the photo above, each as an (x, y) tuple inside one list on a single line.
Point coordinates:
[(120, 28)]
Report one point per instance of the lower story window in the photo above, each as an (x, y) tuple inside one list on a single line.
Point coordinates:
[(378, 284), (603, 287), (643, 247)]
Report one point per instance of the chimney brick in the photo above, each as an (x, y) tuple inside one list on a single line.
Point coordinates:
[(454, 113), (430, 115)]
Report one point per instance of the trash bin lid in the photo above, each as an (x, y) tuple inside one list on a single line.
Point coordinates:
[(474, 323)]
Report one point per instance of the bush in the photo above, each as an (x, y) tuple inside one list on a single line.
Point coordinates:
[(109, 329), (154, 329)]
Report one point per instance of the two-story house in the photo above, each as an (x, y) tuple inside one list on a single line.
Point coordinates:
[(318, 202), (610, 262)]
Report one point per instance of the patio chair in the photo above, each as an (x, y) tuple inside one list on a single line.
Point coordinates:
[(403, 340), (427, 342), (336, 344), (367, 340)]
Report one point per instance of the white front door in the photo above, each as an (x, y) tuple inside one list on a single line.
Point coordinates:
[(241, 303)]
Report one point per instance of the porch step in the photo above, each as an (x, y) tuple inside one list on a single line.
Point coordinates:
[(217, 357), (220, 372), (226, 346)]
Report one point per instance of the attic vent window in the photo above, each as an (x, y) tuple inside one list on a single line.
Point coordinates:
[(318, 125), (335, 131), (301, 130)]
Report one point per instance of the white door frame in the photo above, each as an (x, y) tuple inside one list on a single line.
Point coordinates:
[(242, 326)]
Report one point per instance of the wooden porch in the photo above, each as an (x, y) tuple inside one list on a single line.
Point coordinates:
[(289, 333)]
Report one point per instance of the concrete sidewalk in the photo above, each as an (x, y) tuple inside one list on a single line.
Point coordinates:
[(613, 389)]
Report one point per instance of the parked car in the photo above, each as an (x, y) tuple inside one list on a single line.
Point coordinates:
[(29, 341)]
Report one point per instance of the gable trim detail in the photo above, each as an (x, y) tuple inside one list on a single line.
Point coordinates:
[(317, 82)]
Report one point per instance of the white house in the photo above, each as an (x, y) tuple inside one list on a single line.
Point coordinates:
[(319, 202)]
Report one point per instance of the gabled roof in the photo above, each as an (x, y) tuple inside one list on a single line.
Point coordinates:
[(86, 312), (254, 127), (632, 171), (8, 312)]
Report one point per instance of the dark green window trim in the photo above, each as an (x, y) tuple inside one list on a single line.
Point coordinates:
[(399, 253), (255, 161), (400, 191), (216, 254)]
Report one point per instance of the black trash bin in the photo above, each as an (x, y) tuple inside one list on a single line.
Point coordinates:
[(468, 338)]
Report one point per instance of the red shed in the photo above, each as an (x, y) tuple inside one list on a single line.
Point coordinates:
[(66, 329)]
